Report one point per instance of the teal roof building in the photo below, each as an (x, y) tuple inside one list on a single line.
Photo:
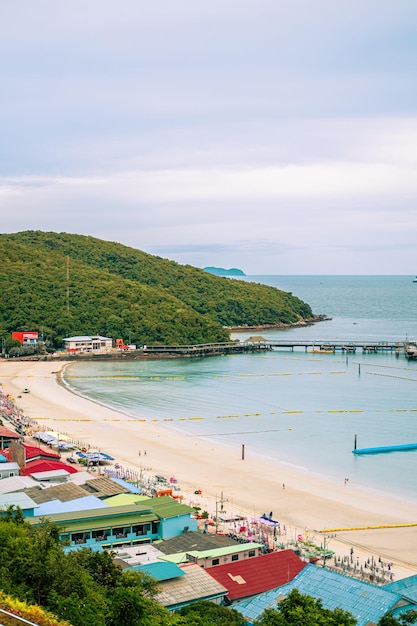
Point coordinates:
[(366, 602)]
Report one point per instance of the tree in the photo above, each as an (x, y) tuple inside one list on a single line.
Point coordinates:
[(409, 617), (205, 613), (302, 610)]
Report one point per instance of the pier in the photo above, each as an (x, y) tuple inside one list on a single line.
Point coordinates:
[(207, 349), (315, 347), (318, 346)]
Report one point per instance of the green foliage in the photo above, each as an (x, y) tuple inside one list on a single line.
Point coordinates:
[(62, 285), (409, 617), (301, 610), (82, 587), (205, 613)]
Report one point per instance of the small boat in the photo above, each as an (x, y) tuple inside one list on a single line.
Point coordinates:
[(26, 390), (415, 280)]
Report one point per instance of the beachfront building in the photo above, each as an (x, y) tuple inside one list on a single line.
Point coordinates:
[(216, 556), (7, 437), (365, 601), (250, 577), (192, 585), (26, 338), (109, 527), (17, 500), (178, 585), (87, 343), (7, 469), (175, 518)]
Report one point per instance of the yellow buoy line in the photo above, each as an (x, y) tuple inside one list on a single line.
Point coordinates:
[(171, 377), (227, 416), (340, 530)]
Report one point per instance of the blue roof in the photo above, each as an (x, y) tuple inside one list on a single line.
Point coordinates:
[(160, 570), (79, 504), (407, 587), (366, 602), (124, 483)]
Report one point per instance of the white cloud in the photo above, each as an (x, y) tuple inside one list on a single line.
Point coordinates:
[(258, 131)]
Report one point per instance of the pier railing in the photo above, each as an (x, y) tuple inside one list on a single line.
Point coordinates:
[(291, 344)]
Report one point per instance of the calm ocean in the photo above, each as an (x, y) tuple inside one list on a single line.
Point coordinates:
[(299, 408)]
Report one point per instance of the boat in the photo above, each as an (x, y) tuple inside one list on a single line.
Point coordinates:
[(410, 349), (415, 280)]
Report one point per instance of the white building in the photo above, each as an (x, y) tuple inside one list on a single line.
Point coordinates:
[(85, 343)]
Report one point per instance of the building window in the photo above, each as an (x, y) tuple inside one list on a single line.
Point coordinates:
[(215, 562), (141, 529), (235, 557), (251, 553)]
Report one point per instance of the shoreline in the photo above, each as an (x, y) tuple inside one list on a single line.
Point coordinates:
[(250, 486)]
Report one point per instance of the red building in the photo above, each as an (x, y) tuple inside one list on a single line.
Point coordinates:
[(247, 578), (25, 337)]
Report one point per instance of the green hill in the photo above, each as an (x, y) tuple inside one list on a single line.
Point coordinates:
[(62, 284)]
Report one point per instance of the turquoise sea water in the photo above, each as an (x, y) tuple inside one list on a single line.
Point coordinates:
[(293, 407)]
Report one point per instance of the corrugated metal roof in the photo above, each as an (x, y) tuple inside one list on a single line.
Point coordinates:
[(53, 507), (178, 557), (192, 540), (258, 574), (118, 515), (87, 338), (103, 486), (166, 507), (214, 553), (406, 587), (63, 492), (41, 466), (195, 585), (366, 602), (16, 483), (125, 498), (160, 571), (8, 466), (17, 499)]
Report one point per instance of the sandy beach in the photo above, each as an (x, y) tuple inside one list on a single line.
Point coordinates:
[(250, 486)]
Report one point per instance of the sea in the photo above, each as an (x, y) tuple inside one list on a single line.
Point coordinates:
[(297, 408)]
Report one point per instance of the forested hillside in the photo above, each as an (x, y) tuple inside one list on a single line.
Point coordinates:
[(62, 285)]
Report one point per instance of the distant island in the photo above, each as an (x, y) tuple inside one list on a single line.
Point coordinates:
[(221, 271)]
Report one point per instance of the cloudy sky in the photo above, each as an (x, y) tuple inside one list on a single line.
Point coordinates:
[(278, 136)]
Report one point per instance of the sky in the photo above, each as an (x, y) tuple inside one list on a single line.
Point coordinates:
[(276, 136)]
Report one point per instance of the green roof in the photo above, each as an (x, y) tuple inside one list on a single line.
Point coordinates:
[(123, 499), (113, 515), (165, 507), (177, 558), (215, 553)]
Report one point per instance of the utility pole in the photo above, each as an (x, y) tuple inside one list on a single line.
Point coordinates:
[(221, 502), (67, 283)]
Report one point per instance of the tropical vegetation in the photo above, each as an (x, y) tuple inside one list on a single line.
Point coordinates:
[(48, 586), (63, 285)]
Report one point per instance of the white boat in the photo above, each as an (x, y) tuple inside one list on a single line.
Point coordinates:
[(415, 280)]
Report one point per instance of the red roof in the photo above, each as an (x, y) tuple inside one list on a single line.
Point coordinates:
[(255, 575), (9, 434), (34, 452), (33, 467)]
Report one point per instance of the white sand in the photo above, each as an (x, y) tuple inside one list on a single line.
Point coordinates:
[(251, 486)]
